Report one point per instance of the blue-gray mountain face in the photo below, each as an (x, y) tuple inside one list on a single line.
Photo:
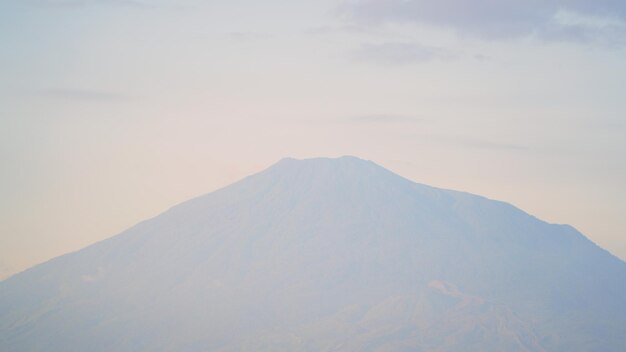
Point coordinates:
[(325, 255)]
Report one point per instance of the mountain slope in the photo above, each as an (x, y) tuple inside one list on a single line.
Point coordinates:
[(325, 254)]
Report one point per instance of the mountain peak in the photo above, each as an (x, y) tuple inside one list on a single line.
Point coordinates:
[(342, 161), (324, 170), (326, 179)]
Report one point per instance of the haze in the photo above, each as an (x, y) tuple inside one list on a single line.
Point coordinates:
[(113, 110)]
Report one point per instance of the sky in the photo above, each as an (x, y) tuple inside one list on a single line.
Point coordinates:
[(112, 111)]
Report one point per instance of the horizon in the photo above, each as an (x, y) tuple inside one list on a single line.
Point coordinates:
[(281, 162)]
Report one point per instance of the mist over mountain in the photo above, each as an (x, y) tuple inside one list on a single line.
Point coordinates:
[(325, 255)]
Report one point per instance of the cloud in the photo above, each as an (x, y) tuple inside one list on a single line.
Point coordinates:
[(488, 145), (383, 118), (465, 142), (77, 4), (562, 20), (246, 36), (81, 95), (392, 53)]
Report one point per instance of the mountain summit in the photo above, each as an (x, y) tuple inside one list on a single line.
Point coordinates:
[(325, 255)]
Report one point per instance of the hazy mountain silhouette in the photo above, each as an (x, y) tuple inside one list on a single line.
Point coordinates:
[(325, 255)]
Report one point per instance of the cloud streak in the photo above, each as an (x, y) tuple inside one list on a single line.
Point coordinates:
[(246, 36), (78, 4), (468, 142), (488, 145), (558, 20), (383, 118), (392, 53), (81, 95)]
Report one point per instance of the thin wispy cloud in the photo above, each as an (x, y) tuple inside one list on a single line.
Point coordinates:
[(86, 95), (392, 53), (78, 4), (246, 36), (382, 119), (489, 145), (559, 20), (472, 142)]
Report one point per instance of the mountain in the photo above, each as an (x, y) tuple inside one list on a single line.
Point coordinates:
[(325, 255)]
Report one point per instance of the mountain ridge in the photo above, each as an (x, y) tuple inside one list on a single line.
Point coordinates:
[(304, 246)]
